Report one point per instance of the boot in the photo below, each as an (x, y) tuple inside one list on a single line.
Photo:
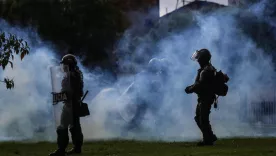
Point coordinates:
[(62, 141), (77, 139), (58, 152), (214, 138), (204, 143), (74, 150), (209, 142), (210, 138)]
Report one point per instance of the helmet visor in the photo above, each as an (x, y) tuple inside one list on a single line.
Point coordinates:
[(64, 68), (195, 56)]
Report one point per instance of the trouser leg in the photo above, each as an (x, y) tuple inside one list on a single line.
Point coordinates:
[(62, 133), (62, 138), (205, 110), (62, 142), (197, 117), (76, 134)]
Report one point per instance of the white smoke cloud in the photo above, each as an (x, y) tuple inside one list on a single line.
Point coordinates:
[(28, 107)]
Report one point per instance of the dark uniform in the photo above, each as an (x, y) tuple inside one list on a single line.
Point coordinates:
[(70, 113), (203, 87)]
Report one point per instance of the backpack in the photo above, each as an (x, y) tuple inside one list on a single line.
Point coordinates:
[(220, 86)]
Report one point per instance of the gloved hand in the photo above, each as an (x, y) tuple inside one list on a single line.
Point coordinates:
[(188, 90), (226, 78)]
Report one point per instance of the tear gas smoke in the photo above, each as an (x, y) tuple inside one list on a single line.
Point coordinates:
[(28, 107)]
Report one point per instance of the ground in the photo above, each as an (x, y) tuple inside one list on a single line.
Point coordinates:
[(229, 147)]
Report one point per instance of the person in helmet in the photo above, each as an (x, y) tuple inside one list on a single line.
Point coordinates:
[(148, 89), (70, 113), (204, 89)]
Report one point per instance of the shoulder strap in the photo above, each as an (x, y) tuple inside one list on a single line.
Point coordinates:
[(216, 102)]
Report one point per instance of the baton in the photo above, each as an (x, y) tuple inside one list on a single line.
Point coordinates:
[(84, 95)]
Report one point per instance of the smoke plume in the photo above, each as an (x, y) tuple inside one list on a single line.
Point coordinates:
[(27, 112)]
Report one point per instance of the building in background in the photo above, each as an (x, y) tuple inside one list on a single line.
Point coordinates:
[(195, 5), (167, 6), (136, 5), (236, 2), (185, 2)]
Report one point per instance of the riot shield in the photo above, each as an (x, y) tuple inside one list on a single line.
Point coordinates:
[(61, 93), (127, 103)]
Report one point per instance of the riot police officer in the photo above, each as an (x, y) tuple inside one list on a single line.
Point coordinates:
[(148, 87), (70, 113), (203, 87)]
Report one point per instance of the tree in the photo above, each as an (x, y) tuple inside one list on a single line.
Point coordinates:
[(89, 27), (10, 45)]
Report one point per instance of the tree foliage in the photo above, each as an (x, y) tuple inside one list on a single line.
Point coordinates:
[(89, 27), (10, 45)]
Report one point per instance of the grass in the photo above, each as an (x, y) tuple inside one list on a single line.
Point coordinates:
[(227, 147)]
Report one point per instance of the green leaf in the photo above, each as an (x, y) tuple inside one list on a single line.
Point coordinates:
[(10, 44), (22, 55), (4, 64), (9, 83), (11, 64)]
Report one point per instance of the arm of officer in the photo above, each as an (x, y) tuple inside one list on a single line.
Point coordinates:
[(205, 77)]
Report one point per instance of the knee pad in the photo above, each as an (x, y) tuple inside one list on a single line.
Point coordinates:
[(61, 130), (62, 137)]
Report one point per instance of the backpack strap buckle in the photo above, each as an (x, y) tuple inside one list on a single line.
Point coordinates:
[(216, 102)]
